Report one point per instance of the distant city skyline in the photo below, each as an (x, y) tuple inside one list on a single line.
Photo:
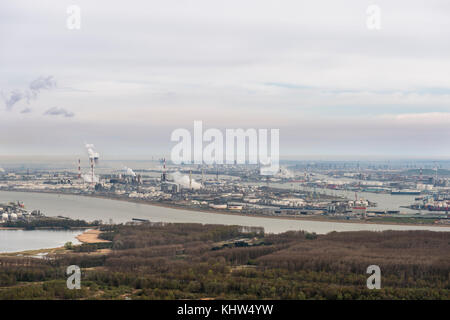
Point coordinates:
[(136, 71)]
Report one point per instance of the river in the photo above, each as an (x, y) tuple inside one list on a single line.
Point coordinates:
[(89, 208), (21, 240)]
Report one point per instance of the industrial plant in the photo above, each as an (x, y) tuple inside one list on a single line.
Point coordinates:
[(316, 190)]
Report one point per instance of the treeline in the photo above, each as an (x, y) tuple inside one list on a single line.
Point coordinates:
[(406, 258), (48, 222), (153, 234), (181, 261), (90, 247)]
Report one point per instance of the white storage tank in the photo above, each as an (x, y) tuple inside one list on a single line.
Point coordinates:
[(13, 216), (4, 216)]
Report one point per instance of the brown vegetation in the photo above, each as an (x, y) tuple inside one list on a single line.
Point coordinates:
[(193, 261)]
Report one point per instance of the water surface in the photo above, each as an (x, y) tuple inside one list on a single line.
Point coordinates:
[(21, 240), (88, 208)]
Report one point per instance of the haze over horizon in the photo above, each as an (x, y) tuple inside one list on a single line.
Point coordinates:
[(134, 73)]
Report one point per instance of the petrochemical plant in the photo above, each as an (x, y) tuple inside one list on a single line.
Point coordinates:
[(341, 190), (16, 211)]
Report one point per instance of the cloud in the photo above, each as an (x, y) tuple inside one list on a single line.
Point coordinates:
[(35, 87), (42, 83), (14, 97), (55, 111), (26, 110), (312, 69), (287, 85)]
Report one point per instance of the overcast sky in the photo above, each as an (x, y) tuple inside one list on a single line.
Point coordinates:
[(137, 70)]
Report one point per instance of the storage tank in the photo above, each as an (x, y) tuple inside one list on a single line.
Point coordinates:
[(4, 216), (13, 216)]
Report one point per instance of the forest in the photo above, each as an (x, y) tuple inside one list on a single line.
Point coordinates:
[(194, 261)]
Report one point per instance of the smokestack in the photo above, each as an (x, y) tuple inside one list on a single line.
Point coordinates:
[(92, 171), (79, 168), (163, 176), (93, 160), (190, 179), (436, 173)]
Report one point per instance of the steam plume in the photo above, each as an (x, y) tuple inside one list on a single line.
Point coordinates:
[(88, 178), (183, 180), (129, 171), (93, 155), (285, 173)]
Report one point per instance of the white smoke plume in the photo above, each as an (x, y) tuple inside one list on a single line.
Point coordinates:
[(281, 173), (93, 155), (129, 171), (285, 173), (183, 180), (88, 178)]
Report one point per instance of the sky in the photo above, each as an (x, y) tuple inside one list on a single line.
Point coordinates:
[(137, 70)]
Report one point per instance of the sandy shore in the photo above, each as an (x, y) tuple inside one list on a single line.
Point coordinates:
[(90, 236)]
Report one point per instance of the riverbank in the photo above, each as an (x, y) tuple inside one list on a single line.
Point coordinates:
[(229, 213), (45, 228), (35, 253)]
